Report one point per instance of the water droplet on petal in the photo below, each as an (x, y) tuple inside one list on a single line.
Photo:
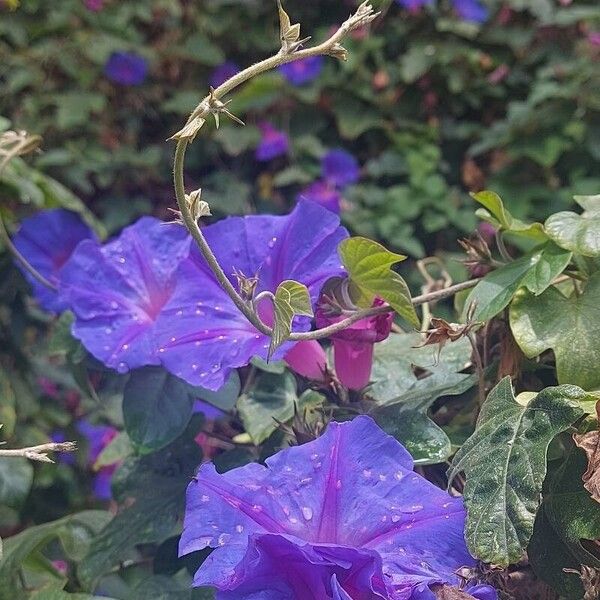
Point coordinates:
[(239, 528), (396, 518), (215, 368), (223, 539), (307, 512), (293, 520), (338, 484), (367, 473), (257, 508), (122, 367), (204, 498)]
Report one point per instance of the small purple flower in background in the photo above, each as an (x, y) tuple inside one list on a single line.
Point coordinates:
[(302, 71), (323, 194), (353, 347), (68, 458), (117, 291), (345, 514), (273, 143), (126, 68), (471, 10), (594, 38), (94, 5), (414, 5), (47, 240), (203, 336), (340, 168), (223, 72), (98, 437)]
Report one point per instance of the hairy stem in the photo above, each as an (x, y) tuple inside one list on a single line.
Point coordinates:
[(39, 453)]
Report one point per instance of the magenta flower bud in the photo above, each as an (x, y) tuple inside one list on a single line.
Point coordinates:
[(487, 231), (307, 358), (353, 347)]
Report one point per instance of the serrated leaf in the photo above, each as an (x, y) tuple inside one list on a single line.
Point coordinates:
[(502, 498), (578, 233), (570, 326), (404, 399), (567, 516), (157, 407), (536, 270), (291, 299), (498, 215), (369, 268)]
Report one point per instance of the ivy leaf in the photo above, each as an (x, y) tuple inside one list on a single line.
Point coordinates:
[(157, 407), (403, 399), (567, 518), (578, 233), (494, 212), (536, 271), (291, 299), (273, 398), (569, 326), (156, 483), (369, 268), (502, 497)]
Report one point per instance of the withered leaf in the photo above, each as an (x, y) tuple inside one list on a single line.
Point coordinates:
[(590, 444)]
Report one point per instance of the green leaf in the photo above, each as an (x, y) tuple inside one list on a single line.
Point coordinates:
[(156, 483), (578, 233), (404, 399), (16, 477), (503, 496), (117, 450), (157, 407), (291, 299), (536, 270), (272, 397), (369, 268), (569, 326), (499, 216), (225, 397), (74, 533), (567, 516)]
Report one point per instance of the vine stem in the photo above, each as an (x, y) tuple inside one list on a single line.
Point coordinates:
[(210, 105)]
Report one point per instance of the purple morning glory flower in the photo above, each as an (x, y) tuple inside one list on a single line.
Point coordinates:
[(471, 10), (203, 335), (98, 437), (117, 291), (273, 143), (345, 514), (223, 72), (413, 5), (340, 168), (323, 194), (47, 240), (302, 71), (126, 68)]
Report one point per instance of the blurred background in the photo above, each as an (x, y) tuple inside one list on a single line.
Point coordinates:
[(440, 98)]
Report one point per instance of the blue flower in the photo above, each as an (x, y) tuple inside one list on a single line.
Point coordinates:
[(273, 143), (341, 517), (47, 241), (302, 71), (414, 5), (223, 72), (340, 168), (126, 68), (324, 194), (471, 10)]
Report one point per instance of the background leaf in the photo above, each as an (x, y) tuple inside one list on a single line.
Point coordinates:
[(502, 497)]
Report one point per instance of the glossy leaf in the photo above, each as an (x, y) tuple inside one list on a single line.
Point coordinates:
[(569, 326), (273, 398), (503, 497), (567, 518), (369, 268), (404, 399), (536, 271), (157, 407), (154, 488), (495, 212), (579, 233), (291, 299)]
